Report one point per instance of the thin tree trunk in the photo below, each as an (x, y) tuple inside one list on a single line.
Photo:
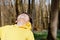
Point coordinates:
[(29, 9), (33, 14), (48, 11), (52, 31), (37, 18), (25, 5), (0, 13), (41, 14), (2, 17), (19, 7), (59, 16)]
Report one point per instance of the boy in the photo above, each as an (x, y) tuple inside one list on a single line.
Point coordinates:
[(19, 31)]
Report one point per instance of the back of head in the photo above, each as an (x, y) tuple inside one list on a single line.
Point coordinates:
[(23, 16)]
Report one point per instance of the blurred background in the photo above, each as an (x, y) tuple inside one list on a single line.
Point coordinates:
[(44, 14)]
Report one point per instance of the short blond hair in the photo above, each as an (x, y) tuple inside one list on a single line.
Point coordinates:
[(23, 16)]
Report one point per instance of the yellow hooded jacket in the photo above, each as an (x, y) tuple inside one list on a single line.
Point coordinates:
[(12, 32)]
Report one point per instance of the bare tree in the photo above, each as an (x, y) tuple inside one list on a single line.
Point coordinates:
[(48, 11), (19, 7), (52, 31), (38, 21), (37, 18), (25, 5), (29, 8), (59, 16), (0, 12), (33, 14), (41, 15)]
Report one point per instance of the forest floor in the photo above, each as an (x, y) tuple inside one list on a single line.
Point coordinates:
[(43, 35)]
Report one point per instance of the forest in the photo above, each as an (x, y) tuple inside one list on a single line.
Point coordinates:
[(44, 14)]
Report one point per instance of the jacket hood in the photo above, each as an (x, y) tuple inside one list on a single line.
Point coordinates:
[(26, 26)]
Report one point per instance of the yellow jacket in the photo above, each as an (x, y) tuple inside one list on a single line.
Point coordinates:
[(12, 32)]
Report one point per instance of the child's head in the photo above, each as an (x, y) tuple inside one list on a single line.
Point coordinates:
[(22, 18)]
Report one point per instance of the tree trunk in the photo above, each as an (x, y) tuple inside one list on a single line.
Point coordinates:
[(25, 5), (29, 7), (59, 16), (52, 31), (33, 14), (38, 24), (19, 7), (37, 18), (0, 13)]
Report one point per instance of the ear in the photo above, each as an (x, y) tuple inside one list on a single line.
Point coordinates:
[(16, 21)]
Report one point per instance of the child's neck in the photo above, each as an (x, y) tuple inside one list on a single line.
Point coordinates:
[(21, 23)]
